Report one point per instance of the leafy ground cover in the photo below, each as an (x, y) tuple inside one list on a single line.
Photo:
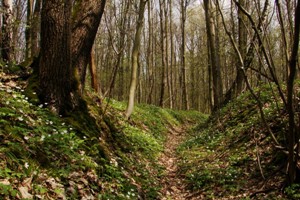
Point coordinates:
[(94, 154), (234, 156)]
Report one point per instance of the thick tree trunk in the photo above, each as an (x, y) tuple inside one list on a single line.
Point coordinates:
[(55, 73)]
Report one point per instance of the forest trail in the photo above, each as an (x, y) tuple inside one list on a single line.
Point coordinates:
[(173, 186)]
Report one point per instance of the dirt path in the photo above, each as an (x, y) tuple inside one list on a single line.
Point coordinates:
[(173, 186)]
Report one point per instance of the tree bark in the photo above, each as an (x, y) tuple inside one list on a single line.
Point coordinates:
[(150, 56), (93, 71), (28, 31), (35, 29), (163, 52), (242, 41), (215, 67), (185, 101), (7, 31), (55, 73), (293, 133), (170, 69), (86, 20)]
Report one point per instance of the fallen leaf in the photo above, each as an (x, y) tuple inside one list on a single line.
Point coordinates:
[(4, 182), (27, 183), (24, 193)]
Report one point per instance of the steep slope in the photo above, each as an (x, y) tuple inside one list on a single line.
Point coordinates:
[(234, 156)]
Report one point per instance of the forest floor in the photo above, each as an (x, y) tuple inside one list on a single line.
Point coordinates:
[(158, 154), (173, 186)]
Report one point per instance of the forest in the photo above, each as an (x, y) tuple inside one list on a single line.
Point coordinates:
[(149, 99)]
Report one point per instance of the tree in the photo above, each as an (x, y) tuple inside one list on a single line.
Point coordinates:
[(135, 55), (293, 132), (7, 36), (55, 74), (185, 101), (32, 28), (213, 59), (242, 41), (85, 23), (163, 38)]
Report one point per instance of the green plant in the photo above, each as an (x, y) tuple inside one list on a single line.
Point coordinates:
[(293, 191)]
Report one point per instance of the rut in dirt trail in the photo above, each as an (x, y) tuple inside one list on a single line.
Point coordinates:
[(173, 184)]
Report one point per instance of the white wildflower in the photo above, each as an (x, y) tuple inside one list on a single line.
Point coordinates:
[(42, 138), (26, 165)]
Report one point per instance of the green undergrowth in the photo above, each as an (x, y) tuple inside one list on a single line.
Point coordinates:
[(233, 156), (93, 154)]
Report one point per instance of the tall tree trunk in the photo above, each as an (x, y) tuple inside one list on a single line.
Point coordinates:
[(293, 133), (170, 69), (242, 41), (185, 102), (86, 21), (28, 31), (216, 71), (163, 52), (55, 73), (134, 59), (35, 28), (150, 54), (7, 31)]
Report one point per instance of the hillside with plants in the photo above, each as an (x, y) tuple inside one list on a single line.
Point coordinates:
[(235, 156), (157, 154), (149, 99), (93, 155)]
